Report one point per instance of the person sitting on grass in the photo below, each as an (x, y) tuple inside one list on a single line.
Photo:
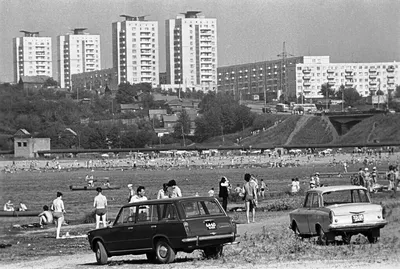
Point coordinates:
[(22, 207), (45, 217), (9, 206)]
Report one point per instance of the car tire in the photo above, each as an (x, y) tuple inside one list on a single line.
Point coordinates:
[(322, 237), (101, 253), (296, 231), (346, 238), (372, 239), (151, 257), (164, 252), (213, 252)]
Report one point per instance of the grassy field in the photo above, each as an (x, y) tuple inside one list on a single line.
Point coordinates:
[(270, 242)]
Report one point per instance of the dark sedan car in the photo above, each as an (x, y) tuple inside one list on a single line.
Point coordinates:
[(161, 228)]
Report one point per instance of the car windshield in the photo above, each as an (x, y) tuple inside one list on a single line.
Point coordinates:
[(201, 208), (345, 197)]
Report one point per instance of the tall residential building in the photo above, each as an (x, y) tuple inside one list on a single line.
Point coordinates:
[(191, 51), (32, 55), (78, 52), (135, 50)]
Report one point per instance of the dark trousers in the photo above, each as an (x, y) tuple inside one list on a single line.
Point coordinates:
[(224, 203)]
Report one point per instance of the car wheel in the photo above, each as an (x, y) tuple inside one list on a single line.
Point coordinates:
[(151, 257), (346, 238), (164, 252), (101, 253), (322, 237), (296, 231), (213, 252), (372, 238)]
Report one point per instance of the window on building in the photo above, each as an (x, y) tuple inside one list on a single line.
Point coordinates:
[(19, 144)]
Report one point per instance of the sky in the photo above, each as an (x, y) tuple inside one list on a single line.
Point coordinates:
[(248, 30)]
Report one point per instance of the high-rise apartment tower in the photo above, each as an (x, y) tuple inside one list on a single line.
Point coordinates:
[(191, 51), (135, 50), (78, 52), (32, 55)]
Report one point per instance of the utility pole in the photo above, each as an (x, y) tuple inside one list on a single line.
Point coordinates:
[(283, 76)]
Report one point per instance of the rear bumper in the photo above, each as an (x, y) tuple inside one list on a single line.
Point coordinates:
[(226, 237), (357, 227)]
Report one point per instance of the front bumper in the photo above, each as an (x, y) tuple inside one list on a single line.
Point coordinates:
[(356, 227)]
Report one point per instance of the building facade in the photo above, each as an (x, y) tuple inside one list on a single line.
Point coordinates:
[(264, 80), (136, 50), (77, 52), (97, 80), (366, 78), (32, 55), (191, 51)]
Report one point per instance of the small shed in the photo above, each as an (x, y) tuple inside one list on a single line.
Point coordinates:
[(27, 146)]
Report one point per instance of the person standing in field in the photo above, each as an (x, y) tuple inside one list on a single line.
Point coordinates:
[(100, 204), (163, 193), (131, 192), (173, 190), (140, 192), (250, 197), (396, 179), (263, 188), (223, 192), (58, 213)]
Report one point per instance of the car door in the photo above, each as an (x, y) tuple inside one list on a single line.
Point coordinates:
[(314, 213), (302, 215), (118, 239), (145, 227)]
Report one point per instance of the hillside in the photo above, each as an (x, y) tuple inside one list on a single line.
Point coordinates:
[(314, 131), (382, 128)]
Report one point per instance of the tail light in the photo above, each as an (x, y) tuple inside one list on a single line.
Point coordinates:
[(186, 226), (330, 217), (383, 212)]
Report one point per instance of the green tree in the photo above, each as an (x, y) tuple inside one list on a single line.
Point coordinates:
[(50, 82), (327, 91), (182, 126), (397, 91), (126, 93)]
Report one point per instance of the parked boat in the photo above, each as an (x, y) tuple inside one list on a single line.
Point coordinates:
[(87, 188), (19, 213)]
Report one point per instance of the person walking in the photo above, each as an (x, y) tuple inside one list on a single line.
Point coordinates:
[(223, 192), (250, 197), (58, 213), (100, 204)]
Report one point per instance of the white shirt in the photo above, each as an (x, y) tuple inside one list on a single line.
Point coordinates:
[(136, 198)]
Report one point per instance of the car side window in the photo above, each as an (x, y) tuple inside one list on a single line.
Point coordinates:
[(308, 201), (147, 213), (315, 202), (167, 212), (127, 215)]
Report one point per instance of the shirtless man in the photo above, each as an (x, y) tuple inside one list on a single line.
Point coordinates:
[(100, 203), (45, 217), (58, 213)]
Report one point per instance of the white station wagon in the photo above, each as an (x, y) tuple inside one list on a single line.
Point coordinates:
[(338, 211)]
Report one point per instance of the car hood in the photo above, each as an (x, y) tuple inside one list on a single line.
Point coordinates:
[(359, 208)]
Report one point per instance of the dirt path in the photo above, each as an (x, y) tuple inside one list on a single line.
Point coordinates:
[(188, 261), (299, 124)]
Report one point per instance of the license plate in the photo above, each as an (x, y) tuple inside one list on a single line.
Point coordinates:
[(210, 225), (357, 218)]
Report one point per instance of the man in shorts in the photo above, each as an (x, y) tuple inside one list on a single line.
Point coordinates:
[(58, 213), (45, 217), (100, 203)]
